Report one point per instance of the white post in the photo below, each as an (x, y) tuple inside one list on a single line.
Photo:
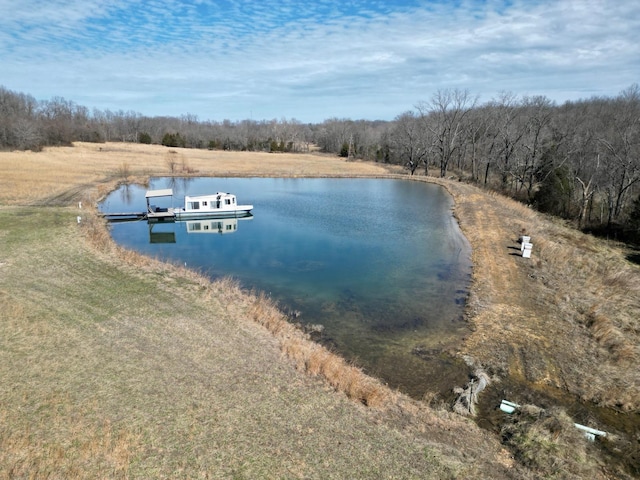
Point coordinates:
[(79, 219), (526, 250)]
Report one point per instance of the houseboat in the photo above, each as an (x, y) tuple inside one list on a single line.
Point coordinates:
[(219, 204)]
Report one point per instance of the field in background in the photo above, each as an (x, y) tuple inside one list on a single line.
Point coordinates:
[(107, 372), (59, 174)]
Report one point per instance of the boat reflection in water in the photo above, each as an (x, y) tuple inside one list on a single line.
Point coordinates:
[(217, 225), (161, 235), (164, 232)]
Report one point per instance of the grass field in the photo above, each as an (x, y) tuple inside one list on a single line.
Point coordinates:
[(113, 365)]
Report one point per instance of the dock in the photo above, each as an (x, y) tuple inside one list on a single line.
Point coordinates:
[(153, 213), (124, 216), (156, 216)]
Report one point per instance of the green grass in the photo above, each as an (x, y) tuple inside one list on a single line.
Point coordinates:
[(136, 369)]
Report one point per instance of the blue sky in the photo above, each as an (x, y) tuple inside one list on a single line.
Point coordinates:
[(313, 60)]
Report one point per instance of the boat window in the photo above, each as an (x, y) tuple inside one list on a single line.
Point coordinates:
[(204, 204), (195, 205), (227, 201)]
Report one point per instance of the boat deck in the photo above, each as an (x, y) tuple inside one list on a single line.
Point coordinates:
[(162, 214)]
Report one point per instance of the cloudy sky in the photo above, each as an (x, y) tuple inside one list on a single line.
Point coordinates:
[(313, 59)]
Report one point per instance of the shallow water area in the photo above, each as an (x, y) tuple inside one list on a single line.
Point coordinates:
[(379, 264)]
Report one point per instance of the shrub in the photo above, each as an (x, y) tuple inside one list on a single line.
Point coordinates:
[(144, 137), (173, 140), (344, 151)]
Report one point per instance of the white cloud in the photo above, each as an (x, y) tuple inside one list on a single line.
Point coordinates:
[(312, 60)]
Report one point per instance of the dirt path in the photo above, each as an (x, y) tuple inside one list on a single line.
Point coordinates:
[(502, 301)]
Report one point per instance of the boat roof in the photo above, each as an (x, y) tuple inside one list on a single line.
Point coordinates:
[(166, 192), (211, 195)]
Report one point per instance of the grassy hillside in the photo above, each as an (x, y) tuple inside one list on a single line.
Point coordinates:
[(121, 366)]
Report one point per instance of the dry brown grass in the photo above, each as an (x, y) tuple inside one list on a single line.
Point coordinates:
[(534, 320), (602, 286), (116, 366), (611, 338), (315, 359), (56, 173), (549, 444), (65, 445), (529, 319)]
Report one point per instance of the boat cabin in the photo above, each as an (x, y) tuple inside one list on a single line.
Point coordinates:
[(210, 202)]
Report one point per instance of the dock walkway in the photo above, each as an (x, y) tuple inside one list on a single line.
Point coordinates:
[(158, 216)]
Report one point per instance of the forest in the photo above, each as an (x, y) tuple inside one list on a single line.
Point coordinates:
[(579, 161)]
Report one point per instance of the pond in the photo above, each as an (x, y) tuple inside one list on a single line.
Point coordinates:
[(380, 264)]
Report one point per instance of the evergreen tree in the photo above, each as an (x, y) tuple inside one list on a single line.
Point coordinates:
[(144, 137), (555, 192), (344, 151), (634, 220)]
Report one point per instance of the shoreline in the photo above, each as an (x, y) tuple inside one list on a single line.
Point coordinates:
[(547, 392), (503, 303), (513, 306)]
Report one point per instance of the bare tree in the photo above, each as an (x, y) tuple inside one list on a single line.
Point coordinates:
[(333, 135), (410, 142), (621, 151), (538, 113), (476, 128), (26, 134), (444, 116), (508, 130), (576, 127)]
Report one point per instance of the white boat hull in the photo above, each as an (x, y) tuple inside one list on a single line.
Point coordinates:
[(237, 211)]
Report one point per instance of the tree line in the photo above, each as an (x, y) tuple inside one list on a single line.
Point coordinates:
[(579, 160)]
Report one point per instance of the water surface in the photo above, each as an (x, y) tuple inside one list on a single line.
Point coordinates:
[(380, 264)]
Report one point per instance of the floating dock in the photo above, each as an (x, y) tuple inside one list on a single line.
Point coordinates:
[(159, 216), (153, 213), (124, 216)]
